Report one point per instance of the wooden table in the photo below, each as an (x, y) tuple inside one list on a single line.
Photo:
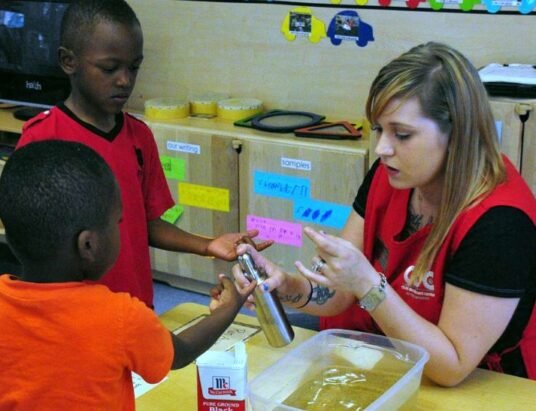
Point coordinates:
[(482, 390)]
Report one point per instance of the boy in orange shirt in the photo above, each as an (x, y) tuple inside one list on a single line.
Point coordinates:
[(66, 340)]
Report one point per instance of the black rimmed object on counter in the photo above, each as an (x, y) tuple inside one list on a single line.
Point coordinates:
[(283, 121)]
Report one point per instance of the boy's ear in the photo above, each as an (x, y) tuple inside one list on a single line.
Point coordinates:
[(67, 60), (87, 245)]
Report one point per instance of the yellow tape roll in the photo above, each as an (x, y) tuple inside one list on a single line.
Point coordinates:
[(238, 108), (206, 104), (166, 109)]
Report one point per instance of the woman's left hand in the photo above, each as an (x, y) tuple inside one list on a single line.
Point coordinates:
[(340, 265)]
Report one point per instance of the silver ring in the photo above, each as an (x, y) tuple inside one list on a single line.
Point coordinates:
[(318, 266)]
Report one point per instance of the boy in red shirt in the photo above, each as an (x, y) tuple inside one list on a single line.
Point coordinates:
[(101, 52), (67, 341)]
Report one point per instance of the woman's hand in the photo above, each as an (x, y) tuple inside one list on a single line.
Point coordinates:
[(224, 246), (340, 265), (276, 277)]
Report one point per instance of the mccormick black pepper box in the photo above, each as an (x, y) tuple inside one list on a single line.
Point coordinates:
[(222, 379)]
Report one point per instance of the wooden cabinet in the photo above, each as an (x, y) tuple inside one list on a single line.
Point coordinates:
[(10, 129), (218, 156), (516, 123), (319, 179), (202, 165)]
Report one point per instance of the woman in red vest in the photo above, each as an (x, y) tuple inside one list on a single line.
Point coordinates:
[(440, 247)]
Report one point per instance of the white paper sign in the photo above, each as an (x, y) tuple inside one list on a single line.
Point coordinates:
[(183, 147), (296, 164), (235, 332)]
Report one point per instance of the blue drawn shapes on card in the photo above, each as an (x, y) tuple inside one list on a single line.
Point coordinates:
[(278, 185), (526, 6), (322, 213), (346, 25)]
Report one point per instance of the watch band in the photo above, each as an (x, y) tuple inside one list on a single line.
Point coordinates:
[(374, 296)]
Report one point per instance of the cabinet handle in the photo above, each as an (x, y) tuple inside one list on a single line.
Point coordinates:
[(522, 109), (237, 145)]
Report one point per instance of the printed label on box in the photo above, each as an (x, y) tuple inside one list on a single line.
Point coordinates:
[(221, 380)]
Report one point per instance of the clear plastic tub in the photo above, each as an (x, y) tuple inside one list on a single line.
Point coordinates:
[(367, 371)]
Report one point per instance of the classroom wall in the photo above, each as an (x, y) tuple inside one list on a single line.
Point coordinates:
[(238, 49)]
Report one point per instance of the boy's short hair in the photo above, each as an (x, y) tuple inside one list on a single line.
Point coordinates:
[(82, 16), (51, 191)]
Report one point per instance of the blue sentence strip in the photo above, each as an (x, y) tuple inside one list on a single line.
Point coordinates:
[(277, 185)]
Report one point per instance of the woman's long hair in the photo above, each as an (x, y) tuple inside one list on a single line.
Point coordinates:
[(450, 93)]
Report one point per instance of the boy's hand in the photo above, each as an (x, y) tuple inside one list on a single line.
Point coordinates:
[(224, 246), (226, 296)]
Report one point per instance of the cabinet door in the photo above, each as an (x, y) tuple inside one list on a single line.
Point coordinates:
[(528, 168), (202, 172), (509, 127), (284, 184), (517, 134)]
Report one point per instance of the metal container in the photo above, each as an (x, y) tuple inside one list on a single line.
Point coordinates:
[(270, 312)]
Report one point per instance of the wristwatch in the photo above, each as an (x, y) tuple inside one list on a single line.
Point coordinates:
[(375, 296)]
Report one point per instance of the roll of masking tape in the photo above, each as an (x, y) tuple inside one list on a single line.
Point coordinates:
[(238, 108), (206, 104), (166, 108)]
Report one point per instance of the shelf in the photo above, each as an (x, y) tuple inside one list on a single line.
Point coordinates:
[(8, 122)]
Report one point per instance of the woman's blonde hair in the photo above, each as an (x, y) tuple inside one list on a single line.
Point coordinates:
[(450, 93)]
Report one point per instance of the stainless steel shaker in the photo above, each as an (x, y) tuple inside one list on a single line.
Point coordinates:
[(270, 312)]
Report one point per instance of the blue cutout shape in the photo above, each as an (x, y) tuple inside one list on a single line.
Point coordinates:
[(491, 6), (526, 6), (321, 212), (363, 35)]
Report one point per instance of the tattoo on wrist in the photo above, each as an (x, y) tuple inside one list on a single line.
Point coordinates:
[(321, 295), (290, 298)]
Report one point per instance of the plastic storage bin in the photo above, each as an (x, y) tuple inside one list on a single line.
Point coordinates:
[(361, 353)]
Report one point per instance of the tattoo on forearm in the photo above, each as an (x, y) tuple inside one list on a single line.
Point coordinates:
[(290, 298), (321, 295)]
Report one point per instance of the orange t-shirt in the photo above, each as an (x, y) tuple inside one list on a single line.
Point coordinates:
[(74, 345)]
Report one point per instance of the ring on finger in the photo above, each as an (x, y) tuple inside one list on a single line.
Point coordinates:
[(318, 266)]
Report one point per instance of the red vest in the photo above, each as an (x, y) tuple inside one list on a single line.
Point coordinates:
[(385, 218)]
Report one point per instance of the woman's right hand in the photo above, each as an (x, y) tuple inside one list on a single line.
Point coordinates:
[(276, 277)]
